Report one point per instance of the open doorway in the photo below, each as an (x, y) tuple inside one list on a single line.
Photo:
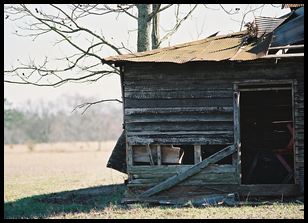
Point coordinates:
[(266, 125)]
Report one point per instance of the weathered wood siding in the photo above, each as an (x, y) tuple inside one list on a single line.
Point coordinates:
[(192, 104), (152, 175), (168, 105), (299, 131)]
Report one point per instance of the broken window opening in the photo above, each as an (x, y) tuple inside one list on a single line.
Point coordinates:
[(208, 150), (175, 154), (157, 155), (266, 123)]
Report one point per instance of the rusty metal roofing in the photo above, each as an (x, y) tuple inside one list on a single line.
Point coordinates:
[(267, 24), (240, 46), (291, 5), (226, 47)]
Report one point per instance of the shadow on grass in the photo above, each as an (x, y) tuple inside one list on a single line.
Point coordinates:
[(75, 201)]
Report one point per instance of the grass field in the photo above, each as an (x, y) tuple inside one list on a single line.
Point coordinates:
[(70, 180)]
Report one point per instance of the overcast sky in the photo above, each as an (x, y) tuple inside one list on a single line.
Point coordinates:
[(202, 23)]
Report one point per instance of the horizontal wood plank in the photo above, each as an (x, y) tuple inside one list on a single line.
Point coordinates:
[(183, 140), (179, 94), (197, 102), (178, 126), (179, 118), (183, 110)]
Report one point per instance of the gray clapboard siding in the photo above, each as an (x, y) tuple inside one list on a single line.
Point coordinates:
[(197, 168), (180, 118), (299, 132), (179, 94), (184, 110), (194, 98), (175, 86), (161, 103), (178, 126), (152, 172), (198, 179), (212, 70), (181, 139)]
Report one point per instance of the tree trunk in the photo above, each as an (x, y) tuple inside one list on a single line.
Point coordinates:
[(144, 27), (155, 27)]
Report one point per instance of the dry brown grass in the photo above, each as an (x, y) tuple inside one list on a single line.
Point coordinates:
[(70, 180), (62, 166)]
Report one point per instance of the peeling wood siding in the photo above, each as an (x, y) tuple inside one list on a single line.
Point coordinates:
[(158, 94), (193, 104), (161, 109), (150, 176)]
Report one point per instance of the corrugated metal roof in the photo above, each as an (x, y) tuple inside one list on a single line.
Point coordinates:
[(291, 5), (240, 46), (267, 24), (216, 48)]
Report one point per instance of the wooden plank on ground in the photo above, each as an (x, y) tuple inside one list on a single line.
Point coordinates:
[(170, 182)]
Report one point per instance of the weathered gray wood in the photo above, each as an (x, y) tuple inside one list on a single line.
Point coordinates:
[(181, 139), (158, 155), (185, 191), (145, 171), (184, 110), (179, 126), (204, 133), (298, 110), (174, 86), (247, 70), (153, 103), (236, 159), (170, 182), (157, 79), (179, 118), (150, 154), (177, 94), (204, 179), (266, 89), (197, 154), (129, 155)]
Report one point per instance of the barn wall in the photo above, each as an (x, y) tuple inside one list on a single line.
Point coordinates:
[(193, 104), (190, 103), (171, 106)]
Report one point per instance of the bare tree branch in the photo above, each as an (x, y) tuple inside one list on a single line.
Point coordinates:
[(246, 13), (177, 25), (62, 25), (56, 84), (87, 105), (228, 12)]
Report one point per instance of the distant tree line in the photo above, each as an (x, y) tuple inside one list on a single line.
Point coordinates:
[(54, 122)]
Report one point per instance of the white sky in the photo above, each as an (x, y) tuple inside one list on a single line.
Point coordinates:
[(201, 24)]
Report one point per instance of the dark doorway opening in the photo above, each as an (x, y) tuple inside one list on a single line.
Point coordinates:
[(266, 123)]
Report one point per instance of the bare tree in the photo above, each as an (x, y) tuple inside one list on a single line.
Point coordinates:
[(85, 63)]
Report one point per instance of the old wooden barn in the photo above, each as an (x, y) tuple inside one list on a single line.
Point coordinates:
[(223, 114)]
